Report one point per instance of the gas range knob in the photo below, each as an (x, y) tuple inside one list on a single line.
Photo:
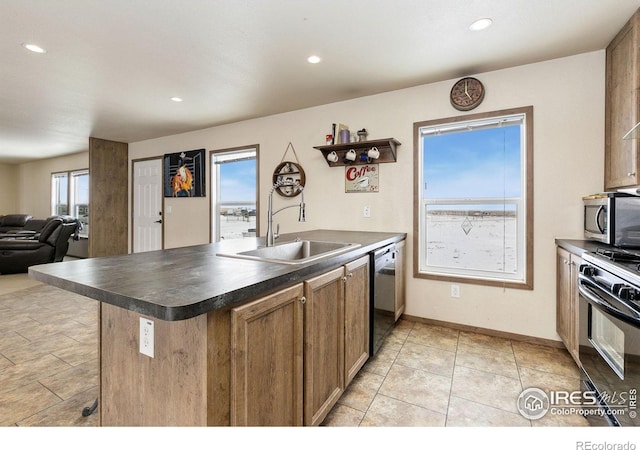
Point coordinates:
[(628, 293), (587, 270)]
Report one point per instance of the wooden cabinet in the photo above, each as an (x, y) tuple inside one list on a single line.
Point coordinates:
[(567, 267), (266, 360), (387, 147), (293, 352), (400, 286), (622, 106), (356, 317), (323, 345)]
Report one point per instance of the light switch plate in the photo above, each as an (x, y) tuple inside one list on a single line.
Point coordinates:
[(146, 337)]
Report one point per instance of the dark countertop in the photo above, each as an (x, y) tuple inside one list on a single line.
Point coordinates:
[(185, 282), (578, 246)]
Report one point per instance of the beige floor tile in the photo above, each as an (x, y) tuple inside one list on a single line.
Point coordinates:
[(4, 362), (485, 342), (25, 401), (382, 361), (35, 349), (546, 359), (362, 390), (67, 413), (68, 383), (29, 372), (343, 416), (487, 360), (465, 413), (14, 282), (486, 388), (434, 336), (417, 387), (430, 359), (10, 340), (547, 381), (389, 412)]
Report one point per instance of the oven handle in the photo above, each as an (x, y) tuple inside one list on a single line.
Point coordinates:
[(585, 286)]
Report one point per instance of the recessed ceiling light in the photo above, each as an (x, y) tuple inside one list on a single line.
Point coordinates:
[(176, 99), (34, 48), (314, 59), (481, 24)]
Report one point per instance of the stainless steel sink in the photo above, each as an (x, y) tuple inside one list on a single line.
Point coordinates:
[(294, 252)]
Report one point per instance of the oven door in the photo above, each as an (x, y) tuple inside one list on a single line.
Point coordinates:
[(609, 353)]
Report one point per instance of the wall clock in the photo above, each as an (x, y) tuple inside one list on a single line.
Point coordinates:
[(466, 94)]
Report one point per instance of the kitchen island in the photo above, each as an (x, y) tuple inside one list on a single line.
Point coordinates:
[(234, 341)]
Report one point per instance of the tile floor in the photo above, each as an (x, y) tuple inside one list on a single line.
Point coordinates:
[(426, 375), (48, 355), (423, 375)]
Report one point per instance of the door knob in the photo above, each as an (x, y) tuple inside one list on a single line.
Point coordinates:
[(158, 221)]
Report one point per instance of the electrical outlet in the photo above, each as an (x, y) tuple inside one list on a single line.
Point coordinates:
[(455, 291), (366, 212), (146, 337)]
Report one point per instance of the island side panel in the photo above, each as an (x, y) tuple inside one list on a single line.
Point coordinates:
[(169, 389)]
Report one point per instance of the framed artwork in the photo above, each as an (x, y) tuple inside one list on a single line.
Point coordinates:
[(361, 178), (184, 174)]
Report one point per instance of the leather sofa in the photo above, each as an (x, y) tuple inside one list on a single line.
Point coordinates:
[(16, 226), (13, 222), (48, 245)]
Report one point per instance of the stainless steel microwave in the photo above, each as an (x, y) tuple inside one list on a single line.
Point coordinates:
[(613, 218)]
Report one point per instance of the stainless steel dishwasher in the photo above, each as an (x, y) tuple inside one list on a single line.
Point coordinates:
[(383, 296)]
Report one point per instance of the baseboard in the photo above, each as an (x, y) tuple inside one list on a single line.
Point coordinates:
[(487, 331)]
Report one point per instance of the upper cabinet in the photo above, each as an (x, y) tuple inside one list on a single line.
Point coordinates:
[(622, 107)]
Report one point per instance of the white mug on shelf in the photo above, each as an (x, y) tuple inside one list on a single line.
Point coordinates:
[(332, 157), (373, 153), (351, 155)]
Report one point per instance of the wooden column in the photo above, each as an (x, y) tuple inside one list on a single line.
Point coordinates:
[(108, 196), (108, 216)]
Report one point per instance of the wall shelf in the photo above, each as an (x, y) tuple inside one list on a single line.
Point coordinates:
[(387, 147)]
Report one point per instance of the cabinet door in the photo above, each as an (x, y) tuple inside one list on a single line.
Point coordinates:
[(400, 287), (622, 106), (323, 345), (574, 339), (567, 300), (266, 360), (356, 317)]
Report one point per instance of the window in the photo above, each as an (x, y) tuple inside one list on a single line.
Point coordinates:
[(234, 196), (474, 196), (60, 193), (70, 196)]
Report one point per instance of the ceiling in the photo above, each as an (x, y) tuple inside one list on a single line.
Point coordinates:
[(112, 66)]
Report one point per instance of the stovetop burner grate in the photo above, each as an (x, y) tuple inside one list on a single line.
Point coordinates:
[(619, 255)]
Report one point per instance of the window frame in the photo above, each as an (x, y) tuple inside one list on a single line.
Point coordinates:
[(71, 200), (527, 159), (214, 217)]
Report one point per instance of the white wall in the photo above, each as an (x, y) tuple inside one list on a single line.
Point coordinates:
[(34, 181), (9, 191), (568, 99)]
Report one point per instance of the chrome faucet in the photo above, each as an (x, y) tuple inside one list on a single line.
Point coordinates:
[(271, 236)]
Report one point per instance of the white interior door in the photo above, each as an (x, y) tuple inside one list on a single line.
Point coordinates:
[(147, 205)]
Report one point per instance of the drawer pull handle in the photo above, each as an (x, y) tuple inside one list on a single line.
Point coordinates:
[(303, 300)]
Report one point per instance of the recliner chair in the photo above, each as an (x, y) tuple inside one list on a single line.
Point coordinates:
[(16, 255)]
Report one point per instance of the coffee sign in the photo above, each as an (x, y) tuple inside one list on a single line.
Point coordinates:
[(361, 178)]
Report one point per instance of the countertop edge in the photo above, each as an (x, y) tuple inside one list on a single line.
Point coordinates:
[(230, 299)]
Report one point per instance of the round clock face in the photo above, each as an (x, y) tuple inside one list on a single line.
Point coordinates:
[(467, 93)]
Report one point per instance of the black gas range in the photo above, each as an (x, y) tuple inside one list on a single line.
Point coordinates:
[(609, 334)]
